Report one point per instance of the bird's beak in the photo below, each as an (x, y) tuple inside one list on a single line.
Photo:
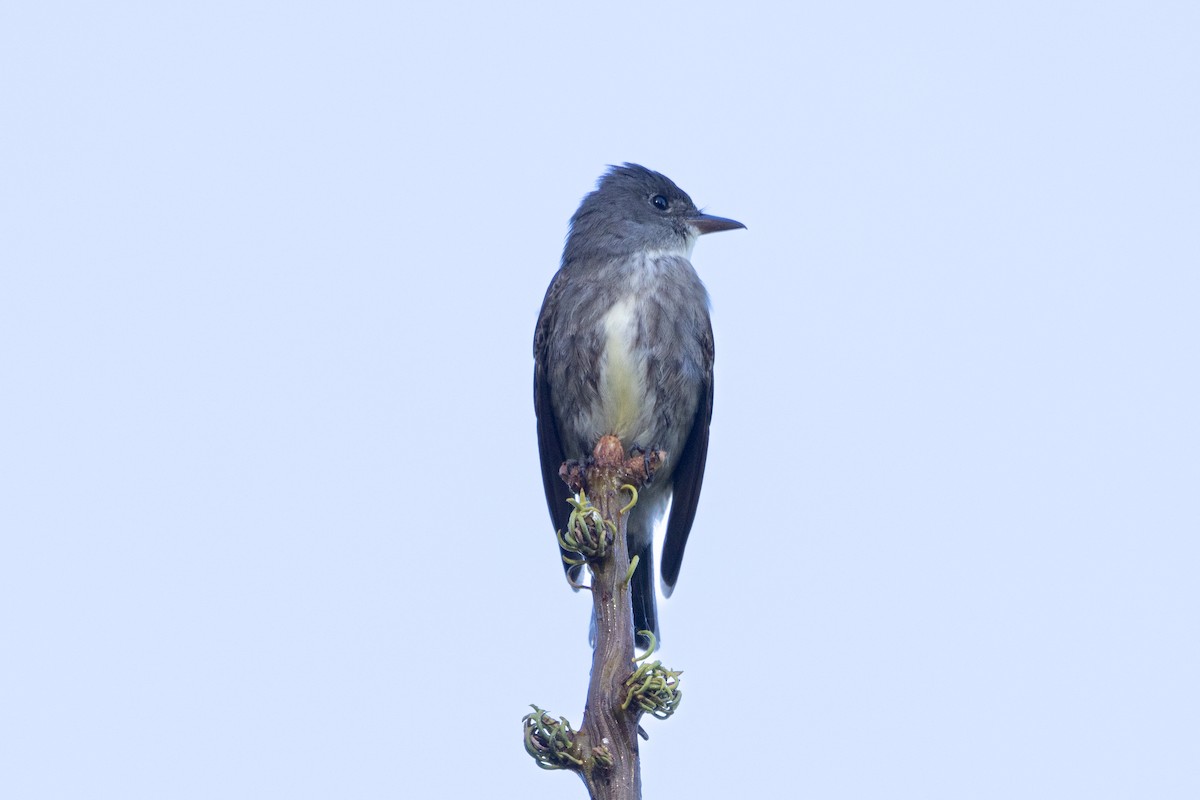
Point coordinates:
[(707, 223)]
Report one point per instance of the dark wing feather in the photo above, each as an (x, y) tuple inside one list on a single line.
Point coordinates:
[(550, 447), (688, 476)]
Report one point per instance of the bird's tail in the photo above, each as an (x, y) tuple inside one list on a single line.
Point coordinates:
[(645, 615)]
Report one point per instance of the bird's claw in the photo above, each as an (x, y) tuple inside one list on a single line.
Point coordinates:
[(652, 458), (572, 473)]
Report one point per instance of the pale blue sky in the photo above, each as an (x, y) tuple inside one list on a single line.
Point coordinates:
[(270, 508)]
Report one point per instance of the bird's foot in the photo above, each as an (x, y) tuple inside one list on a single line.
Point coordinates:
[(572, 473), (650, 459)]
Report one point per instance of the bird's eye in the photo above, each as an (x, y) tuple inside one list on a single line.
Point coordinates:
[(660, 202)]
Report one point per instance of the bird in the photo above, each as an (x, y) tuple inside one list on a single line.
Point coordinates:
[(624, 346)]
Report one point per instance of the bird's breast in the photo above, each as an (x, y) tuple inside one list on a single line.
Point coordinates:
[(629, 358), (627, 401)]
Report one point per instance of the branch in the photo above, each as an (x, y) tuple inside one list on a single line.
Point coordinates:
[(604, 751)]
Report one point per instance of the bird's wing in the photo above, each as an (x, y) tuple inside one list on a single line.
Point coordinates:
[(550, 447), (688, 475)]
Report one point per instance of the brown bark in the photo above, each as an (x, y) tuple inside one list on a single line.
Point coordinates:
[(604, 722)]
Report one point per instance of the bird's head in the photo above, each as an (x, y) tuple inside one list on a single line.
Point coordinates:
[(636, 209)]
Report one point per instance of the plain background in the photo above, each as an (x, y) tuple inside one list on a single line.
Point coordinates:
[(269, 499)]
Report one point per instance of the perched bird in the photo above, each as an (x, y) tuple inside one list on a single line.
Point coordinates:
[(624, 346)]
